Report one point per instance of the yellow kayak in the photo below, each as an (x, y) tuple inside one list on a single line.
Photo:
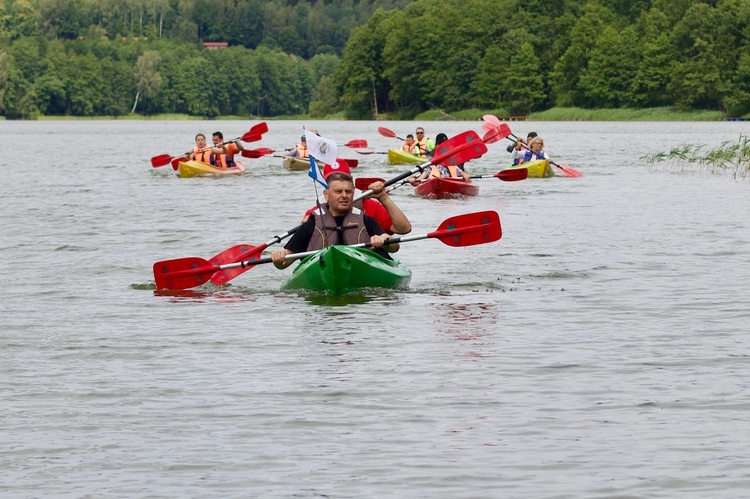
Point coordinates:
[(539, 168), (296, 164), (196, 168), (400, 157)]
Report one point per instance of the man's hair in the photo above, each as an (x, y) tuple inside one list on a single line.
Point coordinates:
[(339, 176), (219, 134)]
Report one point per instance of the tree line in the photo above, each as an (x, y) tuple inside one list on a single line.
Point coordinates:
[(365, 58)]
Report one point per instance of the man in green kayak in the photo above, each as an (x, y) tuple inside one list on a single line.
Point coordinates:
[(337, 222)]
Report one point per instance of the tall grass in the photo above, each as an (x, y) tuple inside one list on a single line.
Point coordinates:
[(649, 114), (729, 156)]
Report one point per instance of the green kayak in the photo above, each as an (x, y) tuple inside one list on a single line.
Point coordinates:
[(342, 269)]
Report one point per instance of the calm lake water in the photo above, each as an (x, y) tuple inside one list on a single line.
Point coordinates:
[(599, 349)]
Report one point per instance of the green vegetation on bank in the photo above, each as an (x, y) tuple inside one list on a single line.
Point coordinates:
[(650, 114), (401, 59), (554, 114)]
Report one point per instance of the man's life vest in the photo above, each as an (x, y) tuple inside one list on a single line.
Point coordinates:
[(351, 231)]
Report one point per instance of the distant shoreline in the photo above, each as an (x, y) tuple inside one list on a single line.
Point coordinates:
[(554, 114)]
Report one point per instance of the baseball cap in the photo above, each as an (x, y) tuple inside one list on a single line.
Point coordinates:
[(339, 166)]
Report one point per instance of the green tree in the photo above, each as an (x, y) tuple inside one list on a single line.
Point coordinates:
[(607, 81), (696, 79), (20, 19), (654, 69), (147, 78), (571, 65), (522, 86), (363, 88)]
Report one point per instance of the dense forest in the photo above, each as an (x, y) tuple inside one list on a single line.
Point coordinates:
[(366, 58)]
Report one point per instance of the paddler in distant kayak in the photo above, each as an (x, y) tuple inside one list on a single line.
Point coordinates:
[(520, 145), (410, 145), (200, 152), (222, 155), (426, 146), (532, 153), (441, 171), (301, 150), (382, 208), (339, 223)]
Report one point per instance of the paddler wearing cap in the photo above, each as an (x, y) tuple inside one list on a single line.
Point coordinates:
[(381, 207), (301, 150), (337, 221)]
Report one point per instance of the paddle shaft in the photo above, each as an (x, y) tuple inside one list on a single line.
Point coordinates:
[(439, 234)]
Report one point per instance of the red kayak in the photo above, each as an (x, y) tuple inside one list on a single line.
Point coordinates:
[(446, 187)]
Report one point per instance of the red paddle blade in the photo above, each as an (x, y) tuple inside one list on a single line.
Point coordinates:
[(182, 273), (491, 119), (356, 143), (251, 137), (256, 153), (470, 229), (490, 137), (363, 183), (488, 126), (234, 254), (568, 171), (352, 162), (176, 163), (459, 149), (161, 160), (512, 175), (497, 133), (385, 132), (258, 129)]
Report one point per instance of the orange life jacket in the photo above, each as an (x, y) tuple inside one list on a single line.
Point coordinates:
[(202, 155), (225, 160), (302, 151)]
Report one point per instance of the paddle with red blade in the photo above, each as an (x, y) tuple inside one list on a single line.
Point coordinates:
[(356, 143), (462, 230), (253, 135), (387, 132), (507, 175), (460, 148)]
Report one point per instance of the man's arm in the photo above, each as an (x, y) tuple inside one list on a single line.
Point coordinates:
[(399, 223)]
